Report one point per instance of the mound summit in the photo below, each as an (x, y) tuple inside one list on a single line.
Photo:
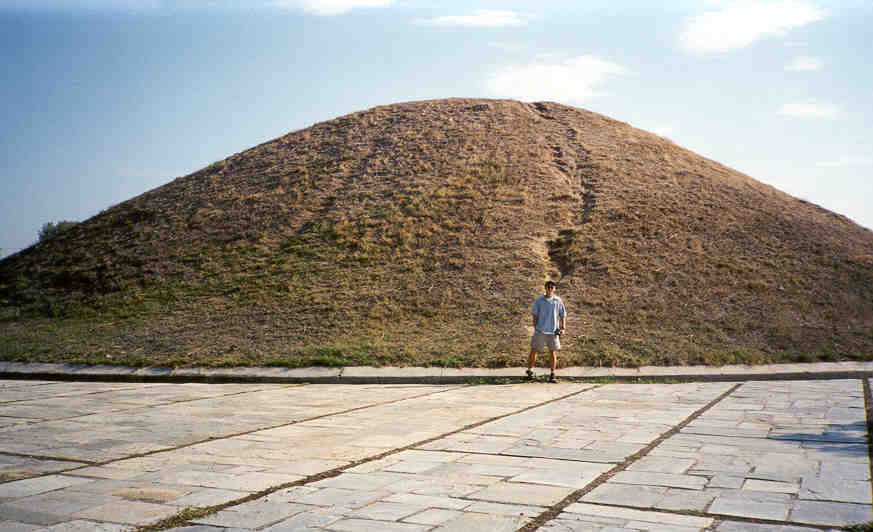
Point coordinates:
[(419, 233)]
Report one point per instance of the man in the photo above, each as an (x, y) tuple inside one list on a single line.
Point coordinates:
[(548, 321)]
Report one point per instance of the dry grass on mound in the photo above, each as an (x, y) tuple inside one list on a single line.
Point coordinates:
[(419, 234)]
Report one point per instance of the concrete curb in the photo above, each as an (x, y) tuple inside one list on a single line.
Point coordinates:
[(420, 375)]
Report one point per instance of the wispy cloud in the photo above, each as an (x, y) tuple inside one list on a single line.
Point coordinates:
[(804, 63), (479, 19), (329, 7), (740, 24), (810, 110), (571, 80), (847, 160)]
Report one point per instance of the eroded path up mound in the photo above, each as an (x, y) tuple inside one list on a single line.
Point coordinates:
[(569, 456)]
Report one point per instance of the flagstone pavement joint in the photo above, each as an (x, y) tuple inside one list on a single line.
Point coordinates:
[(189, 514), (718, 521), (211, 439), (574, 497), (570, 504)]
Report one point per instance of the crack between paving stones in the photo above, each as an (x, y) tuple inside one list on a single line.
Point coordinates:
[(185, 517), (135, 407), (45, 457), (129, 386), (718, 518), (210, 439), (555, 510), (515, 455), (795, 439)]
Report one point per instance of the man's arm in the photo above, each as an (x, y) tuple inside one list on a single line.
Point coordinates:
[(534, 312)]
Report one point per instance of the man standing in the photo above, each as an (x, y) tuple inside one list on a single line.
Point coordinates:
[(548, 321)]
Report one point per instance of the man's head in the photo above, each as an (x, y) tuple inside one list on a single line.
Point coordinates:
[(550, 288)]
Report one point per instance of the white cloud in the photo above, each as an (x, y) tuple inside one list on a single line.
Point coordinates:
[(810, 110), (804, 63), (329, 7), (846, 160), (479, 19), (662, 130), (739, 24), (571, 80)]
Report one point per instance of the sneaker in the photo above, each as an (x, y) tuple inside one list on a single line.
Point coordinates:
[(530, 374)]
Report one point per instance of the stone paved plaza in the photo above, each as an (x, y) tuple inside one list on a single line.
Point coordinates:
[(725, 456)]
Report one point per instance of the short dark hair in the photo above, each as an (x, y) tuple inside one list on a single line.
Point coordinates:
[(551, 284)]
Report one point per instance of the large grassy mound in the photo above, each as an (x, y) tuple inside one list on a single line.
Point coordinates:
[(419, 234)]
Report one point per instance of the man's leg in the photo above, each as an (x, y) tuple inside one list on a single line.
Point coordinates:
[(531, 360), (553, 362)]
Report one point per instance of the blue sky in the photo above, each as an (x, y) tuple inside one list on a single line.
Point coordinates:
[(106, 99)]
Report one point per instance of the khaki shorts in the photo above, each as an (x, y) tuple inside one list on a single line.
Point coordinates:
[(540, 341)]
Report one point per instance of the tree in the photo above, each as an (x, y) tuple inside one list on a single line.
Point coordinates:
[(51, 229)]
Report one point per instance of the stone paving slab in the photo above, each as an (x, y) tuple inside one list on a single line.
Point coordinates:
[(761, 474), (581, 516), (793, 453), (474, 479), (738, 526), (99, 435), (212, 443)]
